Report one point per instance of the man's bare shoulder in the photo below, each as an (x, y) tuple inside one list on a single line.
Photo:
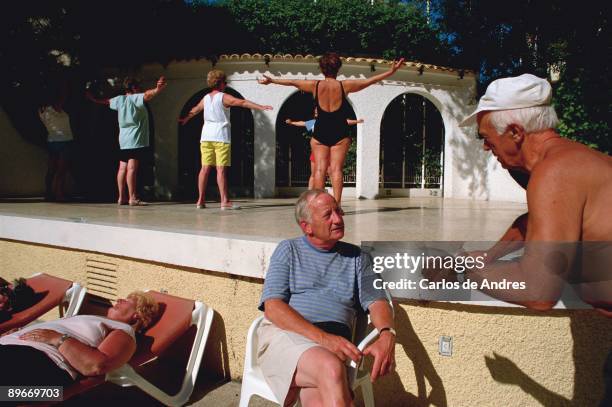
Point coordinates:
[(573, 162)]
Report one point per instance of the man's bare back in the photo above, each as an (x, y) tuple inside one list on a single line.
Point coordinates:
[(586, 176)]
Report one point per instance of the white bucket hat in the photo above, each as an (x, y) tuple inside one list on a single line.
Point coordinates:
[(512, 93)]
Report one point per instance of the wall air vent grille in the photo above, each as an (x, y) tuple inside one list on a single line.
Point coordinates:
[(102, 278)]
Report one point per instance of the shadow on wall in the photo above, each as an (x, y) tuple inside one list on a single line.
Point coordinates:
[(392, 388), (592, 339), (589, 358), (471, 165), (265, 152), (469, 160)]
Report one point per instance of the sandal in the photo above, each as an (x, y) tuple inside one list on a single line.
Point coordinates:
[(232, 207), (200, 206), (122, 203), (138, 202)]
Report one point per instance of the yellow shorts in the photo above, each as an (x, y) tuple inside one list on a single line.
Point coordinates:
[(216, 153)]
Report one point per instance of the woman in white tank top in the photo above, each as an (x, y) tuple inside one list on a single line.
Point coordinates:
[(216, 119), (215, 141), (57, 352)]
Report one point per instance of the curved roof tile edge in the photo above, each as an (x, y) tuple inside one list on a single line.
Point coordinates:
[(300, 57)]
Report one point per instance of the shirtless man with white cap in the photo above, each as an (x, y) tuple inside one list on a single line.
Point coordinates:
[(567, 232), (569, 194)]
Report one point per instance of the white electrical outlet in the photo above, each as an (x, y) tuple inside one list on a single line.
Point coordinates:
[(446, 346)]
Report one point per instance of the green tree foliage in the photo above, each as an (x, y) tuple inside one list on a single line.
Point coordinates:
[(510, 38), (45, 41), (351, 27), (44, 38), (50, 44)]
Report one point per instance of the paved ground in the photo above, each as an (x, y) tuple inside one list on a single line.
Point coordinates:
[(225, 394)]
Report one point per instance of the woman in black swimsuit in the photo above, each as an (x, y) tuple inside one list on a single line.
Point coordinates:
[(330, 141)]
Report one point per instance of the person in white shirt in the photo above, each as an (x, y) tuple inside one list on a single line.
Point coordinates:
[(59, 145), (215, 142), (56, 353)]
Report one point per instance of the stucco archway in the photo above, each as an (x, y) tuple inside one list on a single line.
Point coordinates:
[(411, 144)]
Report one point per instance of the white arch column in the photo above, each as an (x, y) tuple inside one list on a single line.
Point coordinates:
[(264, 137), (369, 105)]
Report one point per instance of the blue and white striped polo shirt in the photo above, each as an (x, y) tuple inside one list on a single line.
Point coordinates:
[(321, 285)]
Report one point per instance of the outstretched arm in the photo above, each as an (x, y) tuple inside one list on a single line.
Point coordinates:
[(355, 85), (89, 96), (296, 123), (302, 84), (229, 100), (193, 112), (352, 122), (151, 93)]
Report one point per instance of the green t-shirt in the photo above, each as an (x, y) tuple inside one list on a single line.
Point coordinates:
[(133, 120)]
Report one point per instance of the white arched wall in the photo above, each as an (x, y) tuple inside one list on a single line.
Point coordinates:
[(368, 149), (468, 171)]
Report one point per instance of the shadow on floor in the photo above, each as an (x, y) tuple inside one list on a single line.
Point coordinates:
[(384, 209)]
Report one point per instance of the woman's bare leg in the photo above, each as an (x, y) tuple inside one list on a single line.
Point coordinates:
[(222, 184), (202, 181), (121, 174), (132, 170), (336, 164), (59, 182), (321, 155), (311, 179)]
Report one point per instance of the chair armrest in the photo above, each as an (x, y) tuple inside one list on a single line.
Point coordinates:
[(365, 342)]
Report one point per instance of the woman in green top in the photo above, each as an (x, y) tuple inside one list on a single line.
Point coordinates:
[(133, 133)]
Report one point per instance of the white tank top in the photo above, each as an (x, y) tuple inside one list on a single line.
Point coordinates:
[(57, 124), (216, 120), (89, 329)]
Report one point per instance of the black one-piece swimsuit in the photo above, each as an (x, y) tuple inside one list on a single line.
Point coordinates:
[(330, 127)]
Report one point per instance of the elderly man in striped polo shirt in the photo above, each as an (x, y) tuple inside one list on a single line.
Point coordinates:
[(312, 289)]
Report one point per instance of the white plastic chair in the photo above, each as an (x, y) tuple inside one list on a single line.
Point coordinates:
[(254, 383), (73, 300), (357, 375), (58, 292)]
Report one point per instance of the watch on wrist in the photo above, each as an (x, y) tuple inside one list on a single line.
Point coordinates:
[(388, 328), (63, 339)]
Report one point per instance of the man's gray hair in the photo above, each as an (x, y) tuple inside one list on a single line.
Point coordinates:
[(302, 206), (537, 118)]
